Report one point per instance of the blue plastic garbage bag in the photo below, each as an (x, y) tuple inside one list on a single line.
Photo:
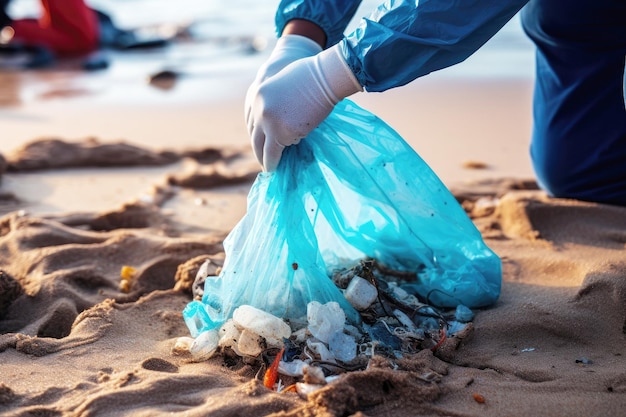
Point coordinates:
[(353, 189)]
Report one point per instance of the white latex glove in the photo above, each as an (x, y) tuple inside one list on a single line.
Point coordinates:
[(289, 48), (289, 105)]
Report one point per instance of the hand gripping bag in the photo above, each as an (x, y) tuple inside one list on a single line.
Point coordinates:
[(353, 189)]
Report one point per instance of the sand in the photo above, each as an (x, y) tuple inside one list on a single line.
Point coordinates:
[(79, 206)]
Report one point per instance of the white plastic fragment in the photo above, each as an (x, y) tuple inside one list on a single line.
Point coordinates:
[(342, 346), (182, 345), (314, 375), (405, 320), (203, 271), (402, 295), (352, 331), (205, 345), (320, 349), (303, 389), (229, 334), (299, 336), (325, 319), (398, 292), (294, 368), (250, 343), (271, 342), (361, 293), (260, 322)]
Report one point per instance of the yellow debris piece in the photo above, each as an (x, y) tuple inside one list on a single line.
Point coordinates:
[(127, 272), (124, 285)]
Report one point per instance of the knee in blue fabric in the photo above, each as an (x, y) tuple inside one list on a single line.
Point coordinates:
[(579, 117)]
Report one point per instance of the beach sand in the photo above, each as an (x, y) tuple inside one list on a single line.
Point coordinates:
[(158, 187)]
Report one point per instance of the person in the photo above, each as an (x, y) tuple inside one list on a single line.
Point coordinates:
[(578, 144), (65, 28)]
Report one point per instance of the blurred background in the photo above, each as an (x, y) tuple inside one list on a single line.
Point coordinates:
[(192, 88), (219, 40)]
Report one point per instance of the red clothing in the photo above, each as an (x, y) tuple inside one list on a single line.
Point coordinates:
[(67, 27)]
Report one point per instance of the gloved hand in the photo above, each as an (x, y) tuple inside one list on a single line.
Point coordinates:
[(289, 105), (289, 48)]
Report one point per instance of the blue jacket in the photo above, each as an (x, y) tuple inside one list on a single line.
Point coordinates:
[(578, 146), (403, 40)]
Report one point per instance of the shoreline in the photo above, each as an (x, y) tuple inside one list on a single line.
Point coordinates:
[(450, 122)]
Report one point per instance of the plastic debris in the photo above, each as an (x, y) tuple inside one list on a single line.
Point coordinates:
[(294, 368), (325, 319), (271, 375), (305, 389), (478, 398), (182, 345), (229, 335), (342, 347), (360, 293), (353, 190), (250, 343), (314, 375), (320, 350), (125, 286), (127, 273), (353, 203), (205, 345), (324, 343), (263, 324), (463, 314), (197, 318)]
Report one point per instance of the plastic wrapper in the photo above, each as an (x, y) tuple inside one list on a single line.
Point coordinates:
[(353, 189)]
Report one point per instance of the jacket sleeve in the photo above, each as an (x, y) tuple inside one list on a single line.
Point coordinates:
[(403, 40), (332, 16)]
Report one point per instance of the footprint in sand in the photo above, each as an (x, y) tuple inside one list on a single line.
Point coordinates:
[(159, 365)]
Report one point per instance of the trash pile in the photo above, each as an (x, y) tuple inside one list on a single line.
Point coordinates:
[(341, 257), (316, 348)]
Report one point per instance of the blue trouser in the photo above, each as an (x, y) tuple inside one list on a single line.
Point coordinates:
[(578, 144)]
